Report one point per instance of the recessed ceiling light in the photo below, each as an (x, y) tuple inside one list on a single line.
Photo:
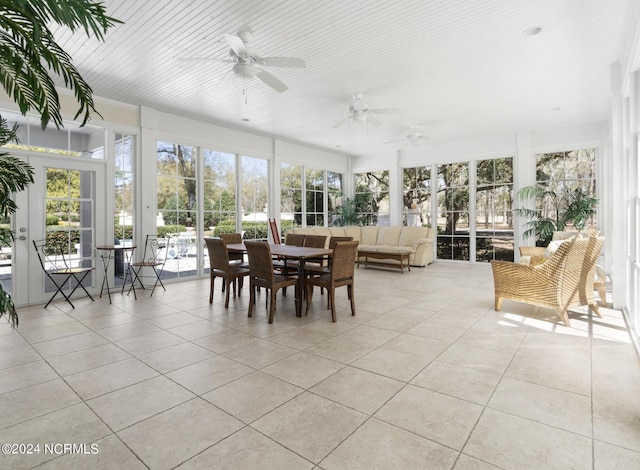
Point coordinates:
[(557, 108), (532, 31), (245, 119)]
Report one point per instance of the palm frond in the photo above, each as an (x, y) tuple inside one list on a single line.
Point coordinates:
[(29, 53)]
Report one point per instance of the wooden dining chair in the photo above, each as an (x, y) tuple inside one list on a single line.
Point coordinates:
[(295, 239), (233, 239), (261, 274), (219, 266), (275, 233), (341, 273), (316, 267), (234, 257)]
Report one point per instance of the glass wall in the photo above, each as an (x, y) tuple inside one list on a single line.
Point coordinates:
[(561, 174), (494, 216), (453, 211), (335, 197), (219, 182), (416, 196), (176, 192), (255, 190), (314, 192), (372, 197), (308, 206), (124, 156), (291, 195)]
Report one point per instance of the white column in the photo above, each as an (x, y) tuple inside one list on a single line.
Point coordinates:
[(619, 223)]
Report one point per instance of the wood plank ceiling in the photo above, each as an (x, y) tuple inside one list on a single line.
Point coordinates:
[(459, 68)]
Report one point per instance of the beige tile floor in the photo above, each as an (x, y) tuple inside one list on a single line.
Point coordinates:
[(427, 375)]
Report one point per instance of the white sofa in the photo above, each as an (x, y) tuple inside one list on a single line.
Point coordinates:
[(419, 240)]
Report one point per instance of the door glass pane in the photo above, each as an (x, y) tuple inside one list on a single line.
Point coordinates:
[(69, 220)]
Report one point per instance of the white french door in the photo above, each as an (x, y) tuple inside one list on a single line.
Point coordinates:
[(66, 205)]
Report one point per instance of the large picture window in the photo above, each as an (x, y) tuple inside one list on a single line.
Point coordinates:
[(494, 202), (219, 214), (291, 194), (314, 184), (453, 211), (176, 202), (306, 206), (335, 197), (372, 197), (254, 184), (416, 196), (124, 154), (561, 174)]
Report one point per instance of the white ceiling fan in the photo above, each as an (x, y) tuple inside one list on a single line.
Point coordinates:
[(247, 63), (359, 111), (413, 138)]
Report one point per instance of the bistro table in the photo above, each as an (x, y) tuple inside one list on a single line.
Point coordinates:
[(300, 253), (107, 253)]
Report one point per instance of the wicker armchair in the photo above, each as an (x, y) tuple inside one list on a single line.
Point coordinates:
[(565, 280), (538, 255)]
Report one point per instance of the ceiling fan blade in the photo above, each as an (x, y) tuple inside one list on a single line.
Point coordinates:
[(205, 59), (393, 141), (237, 45), (385, 111), (288, 62), (341, 122), (270, 80), (373, 121)]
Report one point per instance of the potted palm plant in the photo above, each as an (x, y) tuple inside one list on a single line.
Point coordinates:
[(30, 59), (570, 208)]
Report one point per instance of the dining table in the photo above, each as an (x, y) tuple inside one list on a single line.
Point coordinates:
[(290, 252)]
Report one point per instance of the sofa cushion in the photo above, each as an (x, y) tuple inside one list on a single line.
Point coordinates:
[(324, 231), (409, 235), (337, 231), (353, 231), (388, 236), (369, 235)]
